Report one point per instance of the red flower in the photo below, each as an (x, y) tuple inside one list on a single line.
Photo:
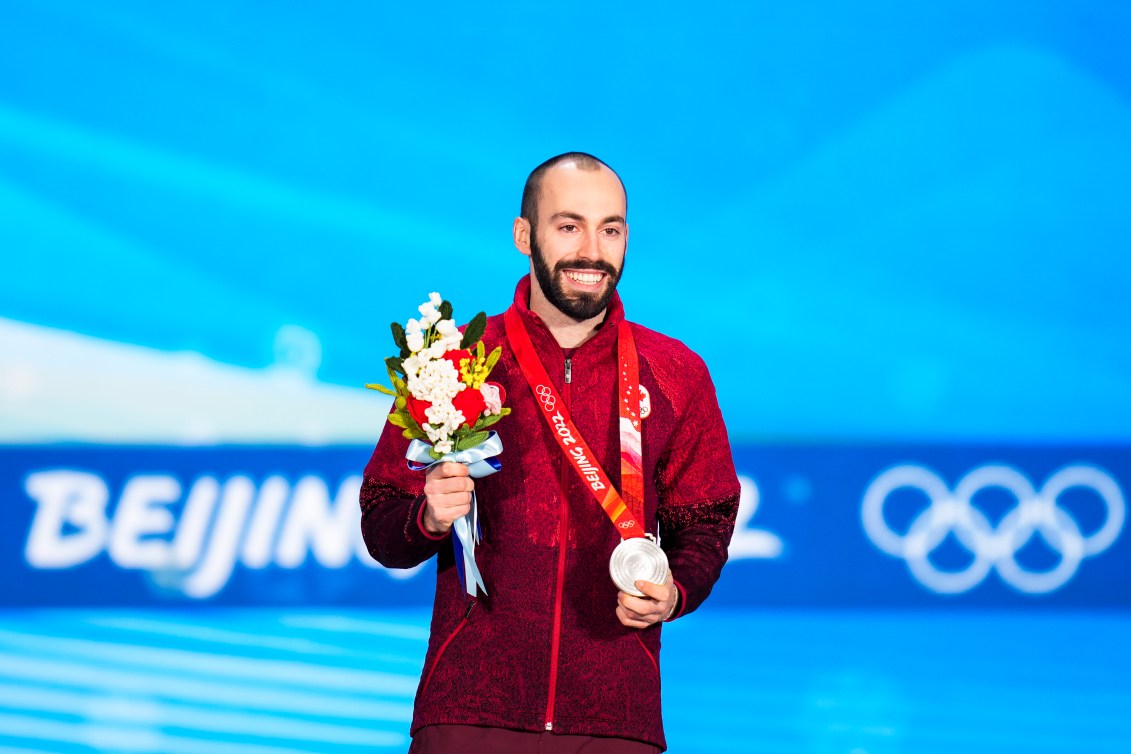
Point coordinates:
[(455, 356), (470, 403), (416, 409)]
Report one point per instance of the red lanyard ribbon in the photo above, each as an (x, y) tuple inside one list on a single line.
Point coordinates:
[(625, 512)]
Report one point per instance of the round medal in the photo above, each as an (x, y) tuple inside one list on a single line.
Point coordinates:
[(637, 559)]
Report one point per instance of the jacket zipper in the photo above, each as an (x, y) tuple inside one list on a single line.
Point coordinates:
[(563, 549)]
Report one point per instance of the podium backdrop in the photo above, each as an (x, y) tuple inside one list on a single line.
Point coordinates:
[(880, 526), (896, 233)]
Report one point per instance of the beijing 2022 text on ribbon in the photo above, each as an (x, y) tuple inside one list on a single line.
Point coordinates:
[(638, 556)]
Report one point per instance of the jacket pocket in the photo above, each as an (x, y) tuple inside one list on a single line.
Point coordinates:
[(651, 657), (440, 655)]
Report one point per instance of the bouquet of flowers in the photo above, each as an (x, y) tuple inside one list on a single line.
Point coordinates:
[(444, 404), (440, 388)]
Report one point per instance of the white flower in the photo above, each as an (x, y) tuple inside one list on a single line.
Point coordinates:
[(443, 420), (433, 316), (415, 341), (438, 414), (435, 299), (492, 398), (436, 382), (436, 350), (434, 433), (412, 327), (446, 327), (443, 447), (451, 342), (425, 310)]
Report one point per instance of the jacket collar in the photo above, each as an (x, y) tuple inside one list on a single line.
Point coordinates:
[(607, 330)]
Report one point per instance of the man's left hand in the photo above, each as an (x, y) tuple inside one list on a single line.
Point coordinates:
[(656, 605)]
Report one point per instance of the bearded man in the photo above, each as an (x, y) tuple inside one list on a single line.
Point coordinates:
[(555, 657)]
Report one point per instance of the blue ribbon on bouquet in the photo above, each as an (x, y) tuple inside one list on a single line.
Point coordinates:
[(480, 461)]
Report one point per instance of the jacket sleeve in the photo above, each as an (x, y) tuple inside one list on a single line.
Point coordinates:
[(392, 506), (699, 493)]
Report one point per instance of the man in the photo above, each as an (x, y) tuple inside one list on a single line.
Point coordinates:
[(554, 657)]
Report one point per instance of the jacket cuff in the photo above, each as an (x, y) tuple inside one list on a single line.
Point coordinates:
[(680, 602), (420, 522)]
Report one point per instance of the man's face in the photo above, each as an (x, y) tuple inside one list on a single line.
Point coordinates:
[(577, 249)]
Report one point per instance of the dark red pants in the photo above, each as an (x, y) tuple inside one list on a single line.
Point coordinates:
[(473, 739)]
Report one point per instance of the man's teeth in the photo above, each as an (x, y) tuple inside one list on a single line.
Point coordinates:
[(589, 278)]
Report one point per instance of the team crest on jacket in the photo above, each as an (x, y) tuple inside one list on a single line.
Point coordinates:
[(645, 403)]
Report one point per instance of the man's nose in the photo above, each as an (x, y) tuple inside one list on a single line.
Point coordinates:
[(590, 247)]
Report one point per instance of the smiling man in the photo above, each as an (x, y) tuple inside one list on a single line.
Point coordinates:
[(585, 248), (615, 444)]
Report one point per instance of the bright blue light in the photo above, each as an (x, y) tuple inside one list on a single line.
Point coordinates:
[(883, 222)]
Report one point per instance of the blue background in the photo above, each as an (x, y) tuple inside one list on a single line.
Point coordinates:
[(897, 234), (872, 220)]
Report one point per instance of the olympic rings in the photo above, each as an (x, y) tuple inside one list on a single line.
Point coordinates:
[(954, 513), (546, 396)]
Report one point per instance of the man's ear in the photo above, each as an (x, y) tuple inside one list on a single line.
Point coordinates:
[(522, 235)]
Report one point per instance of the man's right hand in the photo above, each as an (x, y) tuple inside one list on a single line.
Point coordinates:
[(447, 491)]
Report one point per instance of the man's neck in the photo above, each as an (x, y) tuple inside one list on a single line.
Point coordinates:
[(567, 331)]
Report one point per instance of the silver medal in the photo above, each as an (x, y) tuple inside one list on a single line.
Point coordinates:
[(637, 559)]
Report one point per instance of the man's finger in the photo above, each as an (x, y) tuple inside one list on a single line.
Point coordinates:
[(658, 592), (449, 486), (639, 606), (453, 509), (629, 620), (631, 616), (447, 469)]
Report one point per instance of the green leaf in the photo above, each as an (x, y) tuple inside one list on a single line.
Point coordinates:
[(479, 351), (414, 434), (380, 388), (486, 421), (396, 365), (400, 401), (399, 337), (493, 358), (445, 310), (470, 441), (474, 330), (401, 418)]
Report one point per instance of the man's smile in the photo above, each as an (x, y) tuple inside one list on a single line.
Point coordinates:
[(587, 279)]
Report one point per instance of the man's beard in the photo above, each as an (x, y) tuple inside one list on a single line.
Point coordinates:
[(577, 305)]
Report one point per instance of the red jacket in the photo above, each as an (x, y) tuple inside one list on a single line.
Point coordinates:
[(544, 649)]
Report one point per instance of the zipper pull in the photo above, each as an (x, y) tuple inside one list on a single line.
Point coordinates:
[(569, 370), (471, 603)]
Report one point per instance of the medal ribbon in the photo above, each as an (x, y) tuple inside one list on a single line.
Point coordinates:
[(625, 512)]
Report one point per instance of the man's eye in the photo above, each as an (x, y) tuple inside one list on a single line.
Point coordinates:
[(612, 231), (569, 228)]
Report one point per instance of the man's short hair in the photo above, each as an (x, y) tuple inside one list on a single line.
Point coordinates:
[(532, 191)]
